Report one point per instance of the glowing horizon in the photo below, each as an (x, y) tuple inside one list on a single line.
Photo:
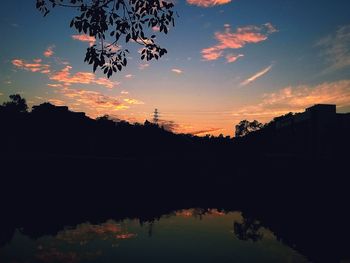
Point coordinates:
[(227, 61)]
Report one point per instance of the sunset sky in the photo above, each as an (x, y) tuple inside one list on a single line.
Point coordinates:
[(227, 60)]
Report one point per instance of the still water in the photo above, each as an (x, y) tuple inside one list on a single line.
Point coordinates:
[(191, 235)]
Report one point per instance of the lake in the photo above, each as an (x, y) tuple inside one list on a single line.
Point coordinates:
[(189, 235)]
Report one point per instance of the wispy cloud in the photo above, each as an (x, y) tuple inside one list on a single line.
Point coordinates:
[(35, 66), (256, 76), (66, 78), (49, 51), (336, 49), (235, 40), (129, 76), (177, 71), (208, 3), (124, 92), (85, 38)]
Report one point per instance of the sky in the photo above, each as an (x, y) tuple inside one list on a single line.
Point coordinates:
[(227, 60)]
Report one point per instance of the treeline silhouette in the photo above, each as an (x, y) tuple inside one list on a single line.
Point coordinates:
[(55, 130), (49, 129)]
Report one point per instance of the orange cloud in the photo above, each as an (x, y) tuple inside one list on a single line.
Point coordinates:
[(95, 102), (57, 102), (85, 38), (256, 76), (236, 40), (206, 131), (55, 85), (134, 101), (177, 71), (211, 53), (49, 51), (208, 3), (296, 99), (64, 76), (35, 66)]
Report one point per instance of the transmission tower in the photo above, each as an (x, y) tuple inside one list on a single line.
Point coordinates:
[(155, 116)]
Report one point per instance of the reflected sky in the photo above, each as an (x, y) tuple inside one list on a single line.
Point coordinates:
[(192, 235)]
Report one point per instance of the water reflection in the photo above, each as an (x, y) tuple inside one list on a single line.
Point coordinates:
[(192, 235)]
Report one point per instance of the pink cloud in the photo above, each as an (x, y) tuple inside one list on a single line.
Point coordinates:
[(236, 40), (156, 28), (35, 66), (208, 3), (66, 78), (230, 58), (49, 51), (211, 53), (85, 38)]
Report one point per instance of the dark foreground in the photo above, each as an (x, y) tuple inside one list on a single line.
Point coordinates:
[(302, 200)]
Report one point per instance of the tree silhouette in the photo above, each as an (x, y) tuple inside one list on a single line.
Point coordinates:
[(17, 104), (117, 20), (245, 127)]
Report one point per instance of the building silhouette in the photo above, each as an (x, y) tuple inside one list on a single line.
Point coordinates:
[(318, 129)]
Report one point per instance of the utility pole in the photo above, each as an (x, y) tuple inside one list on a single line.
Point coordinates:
[(155, 116)]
